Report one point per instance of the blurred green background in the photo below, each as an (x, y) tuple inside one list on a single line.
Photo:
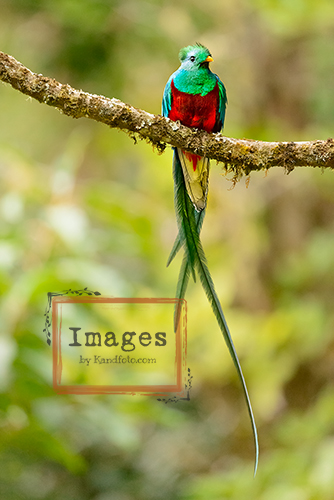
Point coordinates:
[(81, 205)]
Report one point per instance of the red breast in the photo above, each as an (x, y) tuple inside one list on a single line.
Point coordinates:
[(194, 110)]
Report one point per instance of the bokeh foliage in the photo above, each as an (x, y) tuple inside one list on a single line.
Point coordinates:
[(82, 205)]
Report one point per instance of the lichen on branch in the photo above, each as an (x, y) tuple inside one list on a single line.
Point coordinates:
[(239, 155)]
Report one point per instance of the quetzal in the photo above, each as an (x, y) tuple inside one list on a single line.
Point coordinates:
[(197, 98)]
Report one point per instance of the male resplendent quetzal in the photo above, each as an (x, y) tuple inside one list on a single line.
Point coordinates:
[(197, 98)]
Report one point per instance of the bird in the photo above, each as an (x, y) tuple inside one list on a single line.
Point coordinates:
[(196, 97)]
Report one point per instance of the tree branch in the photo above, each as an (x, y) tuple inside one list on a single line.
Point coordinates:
[(240, 155)]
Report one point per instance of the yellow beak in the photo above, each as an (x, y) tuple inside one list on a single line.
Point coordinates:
[(208, 59)]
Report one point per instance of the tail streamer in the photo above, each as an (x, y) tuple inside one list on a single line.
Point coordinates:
[(189, 223)]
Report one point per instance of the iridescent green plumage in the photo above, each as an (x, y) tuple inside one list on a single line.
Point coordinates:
[(196, 96)]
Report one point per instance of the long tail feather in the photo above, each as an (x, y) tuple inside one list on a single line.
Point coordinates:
[(176, 247), (194, 249), (199, 216), (184, 273), (181, 209), (181, 288)]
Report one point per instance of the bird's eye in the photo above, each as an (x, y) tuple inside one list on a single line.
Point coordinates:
[(192, 58)]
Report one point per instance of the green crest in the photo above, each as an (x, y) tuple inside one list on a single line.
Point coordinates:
[(198, 47)]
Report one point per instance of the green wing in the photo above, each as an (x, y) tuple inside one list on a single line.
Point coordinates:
[(222, 102)]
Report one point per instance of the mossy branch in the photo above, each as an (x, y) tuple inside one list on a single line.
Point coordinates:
[(240, 155)]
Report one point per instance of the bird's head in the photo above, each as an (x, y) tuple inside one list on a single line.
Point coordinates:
[(195, 57)]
